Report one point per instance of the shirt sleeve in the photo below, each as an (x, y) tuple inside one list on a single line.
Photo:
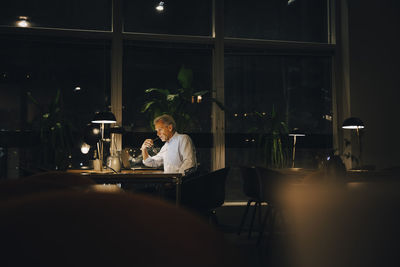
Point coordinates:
[(156, 160), (188, 153)]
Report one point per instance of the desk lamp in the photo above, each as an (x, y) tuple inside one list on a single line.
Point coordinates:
[(354, 123), (295, 133), (102, 118)]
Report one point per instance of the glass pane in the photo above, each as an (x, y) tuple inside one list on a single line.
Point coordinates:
[(268, 97), (34, 71), (71, 14), (178, 17), (149, 65), (290, 20)]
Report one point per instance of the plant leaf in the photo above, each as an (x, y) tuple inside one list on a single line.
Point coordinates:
[(252, 129), (147, 105), (161, 91), (171, 97), (185, 77), (57, 98), (29, 94), (201, 93)]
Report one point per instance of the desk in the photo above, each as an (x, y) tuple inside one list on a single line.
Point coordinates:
[(135, 177)]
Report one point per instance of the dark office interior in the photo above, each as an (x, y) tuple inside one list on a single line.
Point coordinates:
[(290, 105)]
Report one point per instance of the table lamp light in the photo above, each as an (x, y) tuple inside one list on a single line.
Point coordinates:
[(354, 123), (102, 118), (295, 133)]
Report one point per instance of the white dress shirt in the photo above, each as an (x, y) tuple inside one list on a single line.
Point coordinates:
[(177, 155)]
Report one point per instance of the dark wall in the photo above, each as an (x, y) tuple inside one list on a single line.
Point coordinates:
[(374, 42)]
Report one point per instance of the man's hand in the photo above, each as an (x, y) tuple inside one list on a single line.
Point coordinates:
[(146, 144)]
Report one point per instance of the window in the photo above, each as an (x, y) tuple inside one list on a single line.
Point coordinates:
[(152, 65), (34, 70), (291, 78), (264, 92), (292, 20), (178, 17), (70, 14)]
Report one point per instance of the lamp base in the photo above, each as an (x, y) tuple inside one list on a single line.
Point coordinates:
[(97, 166)]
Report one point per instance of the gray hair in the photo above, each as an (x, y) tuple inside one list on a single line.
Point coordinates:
[(167, 120)]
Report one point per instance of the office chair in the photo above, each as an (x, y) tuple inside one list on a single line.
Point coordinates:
[(204, 193), (260, 185)]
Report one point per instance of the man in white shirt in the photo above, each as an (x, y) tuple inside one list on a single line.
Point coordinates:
[(178, 154)]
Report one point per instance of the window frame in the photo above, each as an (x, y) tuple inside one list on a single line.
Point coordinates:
[(339, 54)]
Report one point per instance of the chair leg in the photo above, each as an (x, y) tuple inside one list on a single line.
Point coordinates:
[(269, 217), (252, 218), (212, 218), (260, 214), (244, 216)]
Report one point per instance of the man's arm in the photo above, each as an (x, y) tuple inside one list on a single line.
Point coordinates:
[(154, 161), (188, 152), (146, 144)]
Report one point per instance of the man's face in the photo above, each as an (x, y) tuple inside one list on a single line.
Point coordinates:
[(164, 132)]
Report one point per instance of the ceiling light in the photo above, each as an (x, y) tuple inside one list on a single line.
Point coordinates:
[(160, 6), (23, 22)]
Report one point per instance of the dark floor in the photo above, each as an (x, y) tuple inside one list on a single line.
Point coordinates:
[(270, 251)]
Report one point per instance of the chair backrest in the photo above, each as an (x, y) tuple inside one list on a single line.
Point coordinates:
[(205, 191), (251, 187), (269, 181), (259, 183)]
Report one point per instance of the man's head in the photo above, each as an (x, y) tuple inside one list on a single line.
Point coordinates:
[(165, 127)]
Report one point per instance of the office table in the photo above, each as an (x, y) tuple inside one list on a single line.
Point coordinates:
[(134, 177)]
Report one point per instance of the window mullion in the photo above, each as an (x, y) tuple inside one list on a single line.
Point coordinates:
[(218, 115), (116, 65)]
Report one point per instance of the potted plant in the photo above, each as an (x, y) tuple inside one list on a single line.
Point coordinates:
[(184, 103), (55, 133), (272, 138)]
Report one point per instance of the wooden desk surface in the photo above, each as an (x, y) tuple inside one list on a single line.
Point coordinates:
[(136, 176), (159, 173)]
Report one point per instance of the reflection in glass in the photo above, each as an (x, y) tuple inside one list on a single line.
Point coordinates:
[(263, 93), (304, 20), (297, 87), (151, 65), (177, 17), (39, 77), (68, 14)]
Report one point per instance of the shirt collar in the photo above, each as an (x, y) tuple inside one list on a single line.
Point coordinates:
[(173, 137)]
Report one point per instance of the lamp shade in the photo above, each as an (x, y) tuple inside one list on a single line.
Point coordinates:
[(104, 117), (353, 123), (297, 132)]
